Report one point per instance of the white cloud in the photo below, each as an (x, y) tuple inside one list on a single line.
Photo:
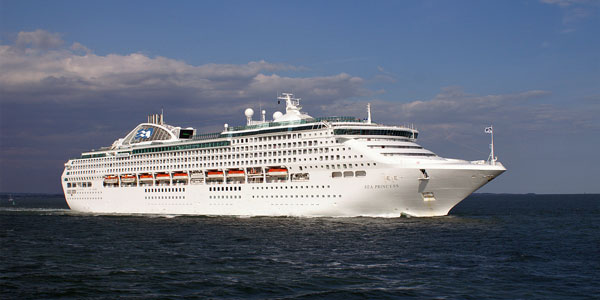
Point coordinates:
[(36, 67), (77, 76), (453, 113), (79, 47), (564, 3), (39, 39), (574, 11)]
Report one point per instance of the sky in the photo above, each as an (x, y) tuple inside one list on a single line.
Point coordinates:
[(77, 75)]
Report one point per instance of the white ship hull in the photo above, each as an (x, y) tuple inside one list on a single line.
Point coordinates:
[(384, 192)]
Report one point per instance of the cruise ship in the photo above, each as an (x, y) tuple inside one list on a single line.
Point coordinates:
[(293, 165)]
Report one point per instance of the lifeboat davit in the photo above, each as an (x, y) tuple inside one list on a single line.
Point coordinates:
[(163, 177), (235, 173), (111, 179), (196, 174), (214, 174), (180, 175), (277, 172)]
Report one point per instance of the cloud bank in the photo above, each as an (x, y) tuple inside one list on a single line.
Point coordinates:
[(57, 100), (38, 68)]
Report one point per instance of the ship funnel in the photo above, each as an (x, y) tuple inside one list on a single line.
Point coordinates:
[(156, 119)]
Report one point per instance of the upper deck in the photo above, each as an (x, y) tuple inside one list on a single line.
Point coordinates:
[(156, 136)]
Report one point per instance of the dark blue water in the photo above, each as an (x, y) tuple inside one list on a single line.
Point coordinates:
[(490, 247)]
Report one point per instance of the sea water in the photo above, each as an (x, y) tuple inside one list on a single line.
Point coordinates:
[(489, 247)]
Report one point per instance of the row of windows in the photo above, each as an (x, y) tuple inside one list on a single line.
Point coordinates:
[(225, 197), (274, 130), (313, 121), (297, 196), (79, 184), (181, 147), (164, 197), (388, 132), (290, 187), (164, 190), (225, 189), (163, 149), (408, 154), (273, 138), (394, 146), (275, 196), (348, 174)]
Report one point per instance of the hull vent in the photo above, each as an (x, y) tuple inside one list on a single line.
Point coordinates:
[(428, 196)]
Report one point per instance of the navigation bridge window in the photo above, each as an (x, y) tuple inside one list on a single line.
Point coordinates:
[(387, 132)]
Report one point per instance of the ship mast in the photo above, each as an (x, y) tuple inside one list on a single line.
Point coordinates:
[(492, 158)]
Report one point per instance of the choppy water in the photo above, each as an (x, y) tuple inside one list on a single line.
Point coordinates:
[(490, 247)]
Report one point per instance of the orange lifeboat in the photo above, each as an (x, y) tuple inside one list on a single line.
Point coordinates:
[(214, 174), (235, 173), (128, 178), (180, 175), (110, 179), (277, 172), (146, 177), (163, 177)]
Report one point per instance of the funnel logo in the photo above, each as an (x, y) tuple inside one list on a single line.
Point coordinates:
[(144, 133)]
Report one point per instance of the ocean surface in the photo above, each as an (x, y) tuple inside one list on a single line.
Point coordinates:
[(489, 247)]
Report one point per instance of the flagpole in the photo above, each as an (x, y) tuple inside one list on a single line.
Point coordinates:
[(492, 146)]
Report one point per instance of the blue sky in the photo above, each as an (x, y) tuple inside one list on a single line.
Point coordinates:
[(76, 75)]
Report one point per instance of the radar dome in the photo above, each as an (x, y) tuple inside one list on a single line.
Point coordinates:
[(277, 115), (249, 112)]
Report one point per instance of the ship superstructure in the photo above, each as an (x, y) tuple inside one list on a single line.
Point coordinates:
[(294, 165)]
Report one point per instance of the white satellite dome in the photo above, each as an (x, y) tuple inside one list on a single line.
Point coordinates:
[(249, 112), (277, 115)]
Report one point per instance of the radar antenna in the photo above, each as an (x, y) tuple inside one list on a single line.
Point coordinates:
[(290, 102)]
